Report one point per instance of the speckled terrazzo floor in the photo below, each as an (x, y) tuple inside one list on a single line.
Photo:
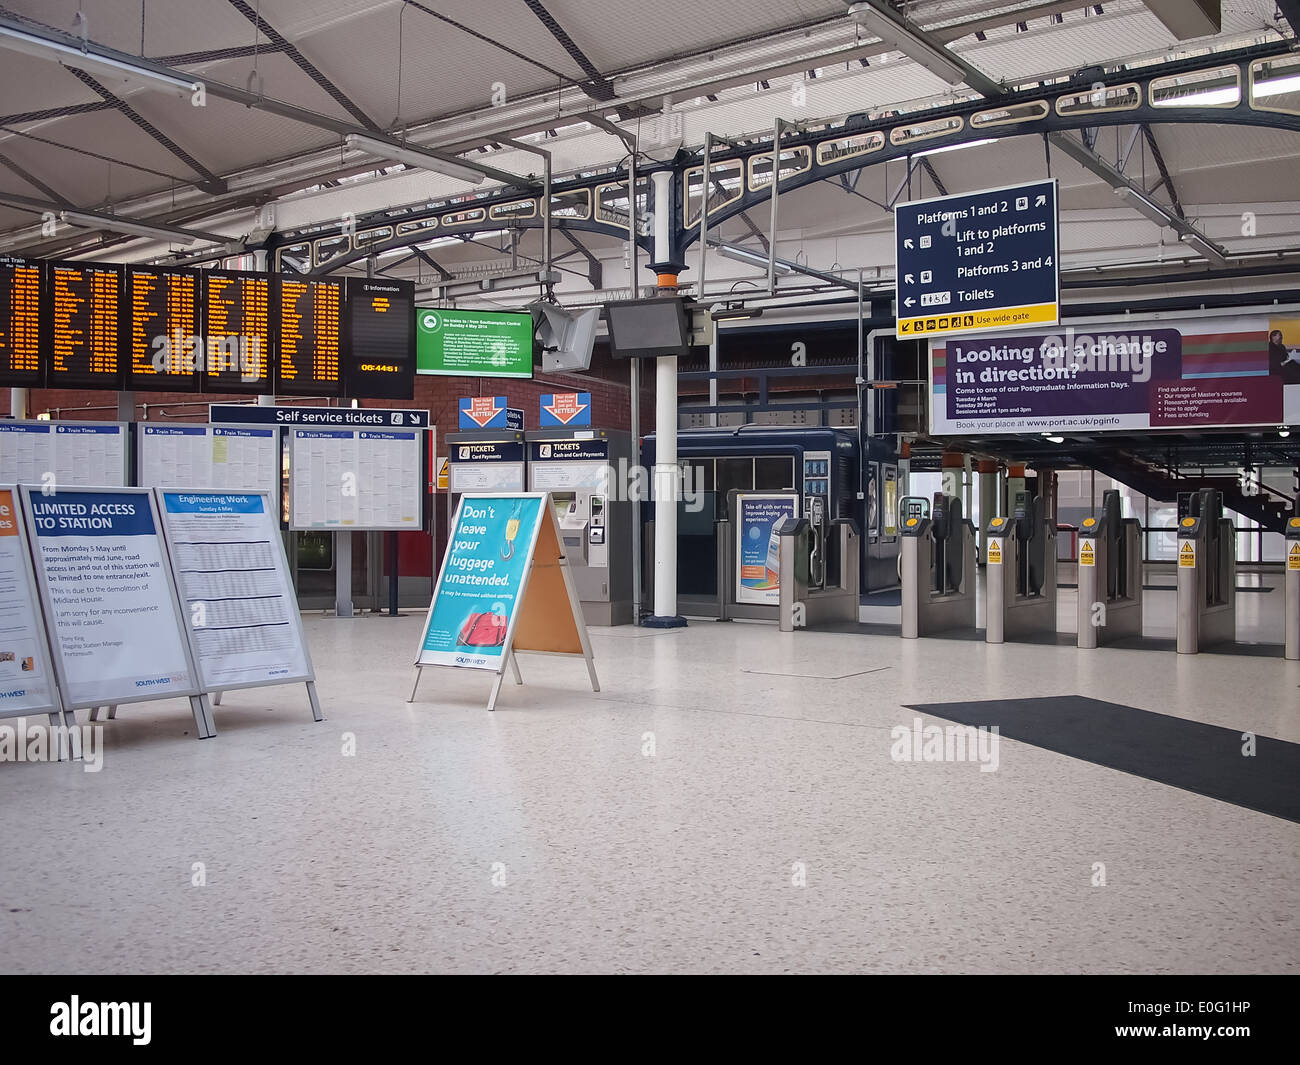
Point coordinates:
[(542, 839)]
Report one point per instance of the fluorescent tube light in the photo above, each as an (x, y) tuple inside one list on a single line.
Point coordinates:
[(112, 70), (415, 157)]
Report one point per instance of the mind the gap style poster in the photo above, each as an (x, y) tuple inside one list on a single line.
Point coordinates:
[(1206, 372)]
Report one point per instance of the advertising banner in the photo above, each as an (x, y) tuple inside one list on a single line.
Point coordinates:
[(26, 680), (478, 592), (1120, 375), (758, 556), (234, 583), (564, 409), (103, 574)]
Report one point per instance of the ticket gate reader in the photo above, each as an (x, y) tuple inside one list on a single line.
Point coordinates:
[(1021, 573), (1110, 575), (580, 468), (938, 570), (1207, 575), (1291, 598)]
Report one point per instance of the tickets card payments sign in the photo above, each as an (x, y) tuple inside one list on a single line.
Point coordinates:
[(26, 678), (978, 261), (115, 623), (234, 582)]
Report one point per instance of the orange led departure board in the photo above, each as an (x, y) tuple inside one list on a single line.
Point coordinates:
[(381, 338), (165, 345), (83, 314), (20, 322), (310, 337), (237, 331)]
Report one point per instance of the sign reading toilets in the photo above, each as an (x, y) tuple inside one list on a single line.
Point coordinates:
[(101, 567), (480, 585), (758, 554)]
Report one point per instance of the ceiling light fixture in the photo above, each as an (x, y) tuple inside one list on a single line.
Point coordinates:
[(167, 234), (111, 70), (895, 33)]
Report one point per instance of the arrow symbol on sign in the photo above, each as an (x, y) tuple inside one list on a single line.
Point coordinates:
[(907, 243), (1040, 201), (907, 279), (908, 302)]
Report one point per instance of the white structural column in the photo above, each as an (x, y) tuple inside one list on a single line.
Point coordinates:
[(18, 402), (666, 474)]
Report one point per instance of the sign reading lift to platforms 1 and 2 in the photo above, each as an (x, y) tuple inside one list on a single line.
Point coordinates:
[(978, 262)]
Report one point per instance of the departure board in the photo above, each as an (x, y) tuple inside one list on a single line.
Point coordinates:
[(20, 322), (237, 331), (83, 310), (380, 358), (309, 332), (164, 341)]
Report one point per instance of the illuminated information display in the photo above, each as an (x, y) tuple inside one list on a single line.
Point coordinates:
[(237, 326), (309, 331), (20, 318), (84, 302), (381, 339), (164, 340)]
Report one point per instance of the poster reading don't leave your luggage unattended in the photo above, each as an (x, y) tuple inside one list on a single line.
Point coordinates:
[(478, 591)]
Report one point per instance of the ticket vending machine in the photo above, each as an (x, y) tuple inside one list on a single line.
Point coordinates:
[(581, 469), (485, 460), (938, 570), (1207, 575)]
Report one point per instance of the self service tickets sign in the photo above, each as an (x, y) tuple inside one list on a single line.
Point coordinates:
[(1119, 374), (478, 592)]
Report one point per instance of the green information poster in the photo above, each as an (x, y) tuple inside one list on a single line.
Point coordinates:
[(473, 343)]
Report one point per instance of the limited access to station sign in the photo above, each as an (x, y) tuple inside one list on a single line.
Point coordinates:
[(978, 261)]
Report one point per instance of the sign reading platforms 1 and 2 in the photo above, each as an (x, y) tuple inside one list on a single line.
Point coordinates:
[(978, 262)]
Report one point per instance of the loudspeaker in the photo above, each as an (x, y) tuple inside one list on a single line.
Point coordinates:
[(566, 337)]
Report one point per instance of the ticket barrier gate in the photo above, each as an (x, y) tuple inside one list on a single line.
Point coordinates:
[(1207, 575), (1291, 600), (1021, 573), (1110, 575), (806, 599), (938, 570)]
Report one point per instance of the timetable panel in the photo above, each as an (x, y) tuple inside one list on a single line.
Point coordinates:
[(84, 325), (163, 331), (309, 336)]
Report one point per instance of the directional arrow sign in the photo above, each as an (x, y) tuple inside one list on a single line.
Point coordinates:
[(565, 408), (994, 253)]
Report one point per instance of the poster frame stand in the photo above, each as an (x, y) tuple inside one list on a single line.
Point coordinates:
[(55, 710), (198, 699), (509, 655), (295, 614)]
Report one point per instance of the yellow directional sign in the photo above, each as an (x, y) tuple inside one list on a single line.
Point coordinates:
[(1293, 558), (1087, 553), (995, 552), (1187, 554)]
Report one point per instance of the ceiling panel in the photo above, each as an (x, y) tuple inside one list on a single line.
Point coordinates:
[(170, 27)]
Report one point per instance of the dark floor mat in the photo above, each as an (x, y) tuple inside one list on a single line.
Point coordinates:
[(1168, 643), (1205, 759), (1174, 587), (889, 597), (884, 628)]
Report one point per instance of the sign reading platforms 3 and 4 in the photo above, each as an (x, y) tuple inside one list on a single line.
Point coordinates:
[(978, 262)]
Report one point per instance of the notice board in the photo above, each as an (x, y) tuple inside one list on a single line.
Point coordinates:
[(235, 458), (71, 454), (115, 625), (355, 479), (234, 584), (26, 676)]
